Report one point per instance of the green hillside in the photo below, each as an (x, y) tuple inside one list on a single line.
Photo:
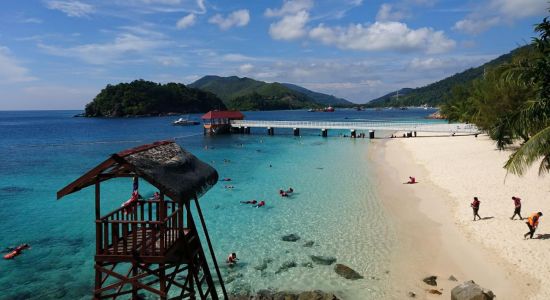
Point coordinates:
[(249, 94), (140, 98), (436, 93)]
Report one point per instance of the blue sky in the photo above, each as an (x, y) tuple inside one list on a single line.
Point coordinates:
[(58, 54)]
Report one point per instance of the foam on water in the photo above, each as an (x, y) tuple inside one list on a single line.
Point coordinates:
[(333, 204)]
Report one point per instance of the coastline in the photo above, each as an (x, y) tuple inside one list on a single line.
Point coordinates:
[(432, 239)]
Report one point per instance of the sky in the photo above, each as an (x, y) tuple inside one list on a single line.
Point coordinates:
[(58, 54)]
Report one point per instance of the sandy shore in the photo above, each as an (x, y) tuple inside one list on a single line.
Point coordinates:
[(434, 223)]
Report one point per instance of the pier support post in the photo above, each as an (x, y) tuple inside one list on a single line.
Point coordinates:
[(371, 134), (247, 130), (353, 133), (415, 134), (241, 130), (270, 131), (296, 131), (324, 132)]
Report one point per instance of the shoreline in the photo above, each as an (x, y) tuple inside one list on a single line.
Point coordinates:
[(430, 240)]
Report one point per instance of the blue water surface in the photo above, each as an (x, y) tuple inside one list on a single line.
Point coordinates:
[(334, 205)]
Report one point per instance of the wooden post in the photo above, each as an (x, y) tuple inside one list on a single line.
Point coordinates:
[(98, 225), (162, 279), (324, 132), (162, 216), (296, 131)]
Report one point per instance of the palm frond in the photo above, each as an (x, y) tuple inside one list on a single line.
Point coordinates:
[(536, 147)]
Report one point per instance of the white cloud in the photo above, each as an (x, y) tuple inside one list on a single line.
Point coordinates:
[(186, 21), (235, 57), (238, 18), (10, 70), (388, 13), (71, 8), (429, 63), (290, 27), (476, 26), (123, 45), (289, 7), (246, 68), (491, 13), (383, 36)]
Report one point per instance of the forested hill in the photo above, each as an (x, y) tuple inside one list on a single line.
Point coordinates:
[(140, 98), (249, 94), (436, 93)]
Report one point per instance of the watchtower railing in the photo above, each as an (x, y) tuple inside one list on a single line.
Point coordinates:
[(140, 228)]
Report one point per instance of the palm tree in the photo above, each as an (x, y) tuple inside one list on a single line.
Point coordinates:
[(532, 122)]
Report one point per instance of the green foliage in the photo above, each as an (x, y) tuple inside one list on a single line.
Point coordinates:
[(141, 97), (437, 93), (249, 94)]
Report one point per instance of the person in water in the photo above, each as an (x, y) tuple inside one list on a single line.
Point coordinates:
[(262, 203), (517, 208), (532, 223), (412, 180), (475, 207), (283, 193), (226, 179), (229, 186), (249, 202), (289, 191), (232, 259)]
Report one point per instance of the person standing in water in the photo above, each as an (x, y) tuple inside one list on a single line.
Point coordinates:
[(232, 259), (532, 223), (517, 209), (475, 207)]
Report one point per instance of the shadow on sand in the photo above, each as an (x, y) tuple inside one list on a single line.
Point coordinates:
[(543, 236)]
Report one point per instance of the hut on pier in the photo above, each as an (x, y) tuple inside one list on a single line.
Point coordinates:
[(152, 245), (217, 122)]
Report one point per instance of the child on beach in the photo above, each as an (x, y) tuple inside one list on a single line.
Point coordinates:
[(532, 223), (412, 180), (475, 207), (517, 209)]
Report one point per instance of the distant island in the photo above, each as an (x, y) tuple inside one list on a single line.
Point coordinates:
[(245, 93), (146, 98)]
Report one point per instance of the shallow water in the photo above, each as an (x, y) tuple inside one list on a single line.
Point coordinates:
[(333, 204)]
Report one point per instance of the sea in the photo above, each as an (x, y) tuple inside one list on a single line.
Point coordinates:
[(334, 209)]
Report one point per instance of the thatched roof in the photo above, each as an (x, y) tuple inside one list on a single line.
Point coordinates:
[(174, 171)]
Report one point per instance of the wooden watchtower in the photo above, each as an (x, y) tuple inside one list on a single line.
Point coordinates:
[(153, 246)]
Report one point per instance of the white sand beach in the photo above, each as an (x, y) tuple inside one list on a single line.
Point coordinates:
[(434, 218)]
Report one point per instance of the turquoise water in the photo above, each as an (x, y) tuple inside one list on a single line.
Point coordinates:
[(334, 204)]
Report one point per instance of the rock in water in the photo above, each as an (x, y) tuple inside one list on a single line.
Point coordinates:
[(316, 295), (347, 272), (430, 280), (287, 265), (323, 260), (309, 244), (290, 237), (469, 290)]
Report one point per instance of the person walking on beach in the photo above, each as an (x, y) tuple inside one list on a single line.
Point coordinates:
[(475, 207), (517, 209), (532, 223)]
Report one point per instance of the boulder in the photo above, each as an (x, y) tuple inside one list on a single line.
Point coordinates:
[(346, 272), (316, 295), (309, 244), (469, 290), (434, 292), (323, 260), (430, 280), (290, 237), (286, 265)]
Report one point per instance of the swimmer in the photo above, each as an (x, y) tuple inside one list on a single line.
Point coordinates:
[(226, 179), (229, 187), (249, 202), (290, 190), (262, 203)]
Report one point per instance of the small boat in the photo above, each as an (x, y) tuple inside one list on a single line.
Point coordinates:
[(311, 110), (185, 122), (329, 109)]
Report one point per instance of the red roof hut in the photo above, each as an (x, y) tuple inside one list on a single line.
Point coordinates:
[(216, 121), (152, 245)]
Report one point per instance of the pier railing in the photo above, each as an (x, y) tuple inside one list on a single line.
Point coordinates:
[(364, 125)]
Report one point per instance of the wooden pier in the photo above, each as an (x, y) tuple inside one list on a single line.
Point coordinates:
[(243, 126)]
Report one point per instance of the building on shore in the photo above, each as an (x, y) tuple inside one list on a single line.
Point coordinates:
[(217, 122)]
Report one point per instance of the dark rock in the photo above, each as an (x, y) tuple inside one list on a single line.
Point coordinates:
[(347, 272), (435, 292), (316, 295), (309, 244), (287, 265), (469, 290), (411, 294), (323, 260), (452, 278), (290, 237), (430, 280)]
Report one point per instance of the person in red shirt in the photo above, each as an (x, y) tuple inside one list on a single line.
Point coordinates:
[(475, 207), (517, 210), (260, 204), (232, 259)]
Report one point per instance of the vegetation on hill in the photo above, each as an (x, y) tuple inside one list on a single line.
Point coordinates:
[(512, 103), (249, 94), (436, 93), (141, 97)]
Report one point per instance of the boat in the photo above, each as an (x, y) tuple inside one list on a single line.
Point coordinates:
[(329, 109), (311, 110), (185, 122)]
